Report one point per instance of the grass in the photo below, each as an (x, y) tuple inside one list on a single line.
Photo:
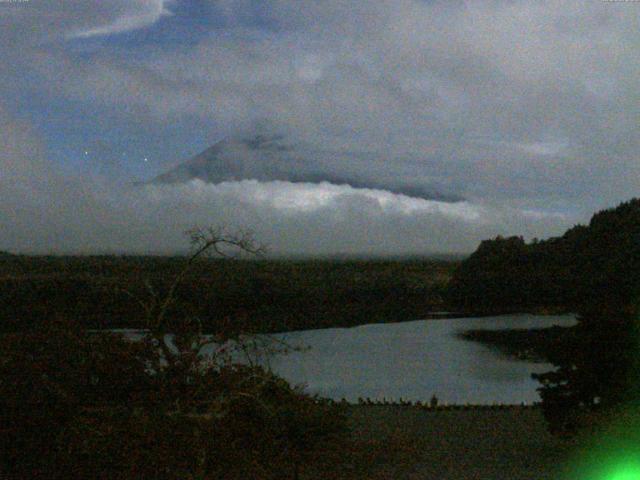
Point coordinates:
[(484, 444)]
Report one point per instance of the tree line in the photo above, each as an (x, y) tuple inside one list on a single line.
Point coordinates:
[(592, 270)]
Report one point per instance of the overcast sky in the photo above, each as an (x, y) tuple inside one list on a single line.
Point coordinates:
[(528, 110)]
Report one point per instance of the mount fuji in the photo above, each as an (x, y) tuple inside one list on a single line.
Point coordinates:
[(270, 157)]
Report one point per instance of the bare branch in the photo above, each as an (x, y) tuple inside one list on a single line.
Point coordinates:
[(203, 241)]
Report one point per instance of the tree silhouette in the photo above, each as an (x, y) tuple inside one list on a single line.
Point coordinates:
[(593, 270), (82, 404)]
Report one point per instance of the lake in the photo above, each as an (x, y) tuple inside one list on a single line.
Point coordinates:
[(413, 360)]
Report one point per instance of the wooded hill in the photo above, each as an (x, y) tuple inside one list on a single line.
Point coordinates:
[(586, 268)]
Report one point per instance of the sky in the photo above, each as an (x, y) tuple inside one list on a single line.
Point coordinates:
[(525, 112)]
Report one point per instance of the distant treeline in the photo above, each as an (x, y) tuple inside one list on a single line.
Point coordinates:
[(592, 270), (592, 267), (250, 295)]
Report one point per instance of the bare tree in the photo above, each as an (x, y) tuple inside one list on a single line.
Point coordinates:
[(204, 242), (180, 340)]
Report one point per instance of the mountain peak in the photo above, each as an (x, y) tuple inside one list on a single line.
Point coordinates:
[(267, 155)]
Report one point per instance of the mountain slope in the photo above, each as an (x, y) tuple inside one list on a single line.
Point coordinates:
[(270, 158)]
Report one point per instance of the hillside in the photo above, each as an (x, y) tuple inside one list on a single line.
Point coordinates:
[(580, 270)]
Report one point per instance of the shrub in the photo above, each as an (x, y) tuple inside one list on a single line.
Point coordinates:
[(78, 405)]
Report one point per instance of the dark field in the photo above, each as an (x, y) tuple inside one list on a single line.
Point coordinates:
[(483, 444), (250, 295)]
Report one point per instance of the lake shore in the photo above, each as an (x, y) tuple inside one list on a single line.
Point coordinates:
[(532, 344)]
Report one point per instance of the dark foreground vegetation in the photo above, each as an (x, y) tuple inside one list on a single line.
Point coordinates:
[(593, 270), (474, 444), (78, 403), (255, 295)]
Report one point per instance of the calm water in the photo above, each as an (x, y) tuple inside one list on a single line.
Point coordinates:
[(413, 360)]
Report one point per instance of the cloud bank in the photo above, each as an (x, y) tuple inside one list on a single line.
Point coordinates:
[(44, 211), (502, 100), (44, 21), (525, 109)]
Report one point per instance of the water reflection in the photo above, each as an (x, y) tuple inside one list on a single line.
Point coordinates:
[(413, 360)]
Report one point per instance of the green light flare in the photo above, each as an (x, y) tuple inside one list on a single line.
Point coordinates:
[(611, 453), (625, 472)]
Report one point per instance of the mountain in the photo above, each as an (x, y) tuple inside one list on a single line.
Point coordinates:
[(269, 157)]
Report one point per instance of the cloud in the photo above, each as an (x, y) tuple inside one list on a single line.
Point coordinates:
[(44, 211), (44, 21), (516, 106), (329, 219), (135, 15), (503, 101)]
